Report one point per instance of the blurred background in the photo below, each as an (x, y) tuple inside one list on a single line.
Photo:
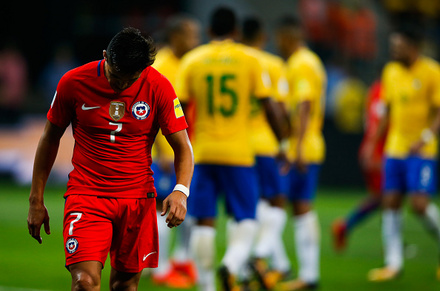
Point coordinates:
[(41, 40)]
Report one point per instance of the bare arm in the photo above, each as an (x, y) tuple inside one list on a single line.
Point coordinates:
[(428, 133), (276, 118), (184, 167), (44, 158), (304, 109)]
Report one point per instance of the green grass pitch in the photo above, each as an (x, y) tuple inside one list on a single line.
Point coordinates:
[(26, 265)]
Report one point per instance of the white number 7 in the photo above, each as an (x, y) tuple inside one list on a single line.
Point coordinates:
[(112, 133), (78, 217)]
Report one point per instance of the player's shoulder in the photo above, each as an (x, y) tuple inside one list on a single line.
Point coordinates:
[(429, 63)]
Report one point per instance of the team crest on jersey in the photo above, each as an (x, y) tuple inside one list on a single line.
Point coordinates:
[(116, 110), (140, 110), (71, 245)]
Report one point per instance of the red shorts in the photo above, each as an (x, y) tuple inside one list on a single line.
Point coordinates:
[(127, 228), (374, 179)]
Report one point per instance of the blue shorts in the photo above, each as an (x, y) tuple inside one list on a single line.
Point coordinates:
[(237, 184), (163, 182), (413, 175), (269, 178), (302, 186)]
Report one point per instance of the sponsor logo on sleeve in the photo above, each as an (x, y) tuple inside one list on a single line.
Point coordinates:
[(178, 111)]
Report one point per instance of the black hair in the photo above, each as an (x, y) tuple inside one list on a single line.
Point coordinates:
[(252, 27), (129, 51), (289, 21), (223, 21), (411, 32)]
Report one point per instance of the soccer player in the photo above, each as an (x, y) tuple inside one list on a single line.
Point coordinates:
[(411, 92), (371, 167), (271, 215), (220, 78), (182, 34), (116, 106), (307, 81)]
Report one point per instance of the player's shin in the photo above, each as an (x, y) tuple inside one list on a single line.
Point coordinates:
[(431, 220), (202, 246), (239, 245), (392, 239), (307, 240)]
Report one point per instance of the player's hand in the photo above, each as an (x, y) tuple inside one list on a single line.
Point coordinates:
[(416, 147), (38, 216), (300, 164), (176, 203)]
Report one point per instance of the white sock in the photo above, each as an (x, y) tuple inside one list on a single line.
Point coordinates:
[(307, 240), (431, 220), (181, 249), (202, 246), (239, 245), (164, 245), (272, 221), (266, 230), (280, 260), (392, 238)]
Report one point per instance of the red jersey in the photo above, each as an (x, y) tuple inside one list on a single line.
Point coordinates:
[(114, 132), (374, 111)]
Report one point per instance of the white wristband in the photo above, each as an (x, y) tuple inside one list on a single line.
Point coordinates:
[(182, 188), (427, 135)]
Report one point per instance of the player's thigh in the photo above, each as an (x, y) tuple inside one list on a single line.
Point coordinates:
[(135, 240), (87, 229), (241, 191), (421, 175), (269, 178), (202, 203), (394, 173), (303, 185), (374, 182)]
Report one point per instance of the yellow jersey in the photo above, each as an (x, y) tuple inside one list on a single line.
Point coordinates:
[(166, 63), (412, 94), (262, 137), (220, 77), (307, 81)]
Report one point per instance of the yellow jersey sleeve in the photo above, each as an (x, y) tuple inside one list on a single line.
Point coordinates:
[(436, 85)]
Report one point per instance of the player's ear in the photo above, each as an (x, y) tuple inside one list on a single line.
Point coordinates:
[(104, 54)]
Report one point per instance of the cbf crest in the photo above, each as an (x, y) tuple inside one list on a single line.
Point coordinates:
[(140, 110), (117, 110)]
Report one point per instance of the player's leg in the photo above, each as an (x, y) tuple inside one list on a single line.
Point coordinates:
[(394, 187), (341, 228), (122, 281), (306, 227), (241, 192), (202, 204), (422, 186), (87, 233), (135, 243), (86, 275)]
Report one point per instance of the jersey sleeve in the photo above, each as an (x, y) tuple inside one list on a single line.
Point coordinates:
[(261, 80), (302, 85), (280, 87), (436, 86), (171, 117), (385, 92), (62, 108)]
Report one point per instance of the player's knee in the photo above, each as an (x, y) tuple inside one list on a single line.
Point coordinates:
[(123, 286), (83, 281), (419, 203)]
